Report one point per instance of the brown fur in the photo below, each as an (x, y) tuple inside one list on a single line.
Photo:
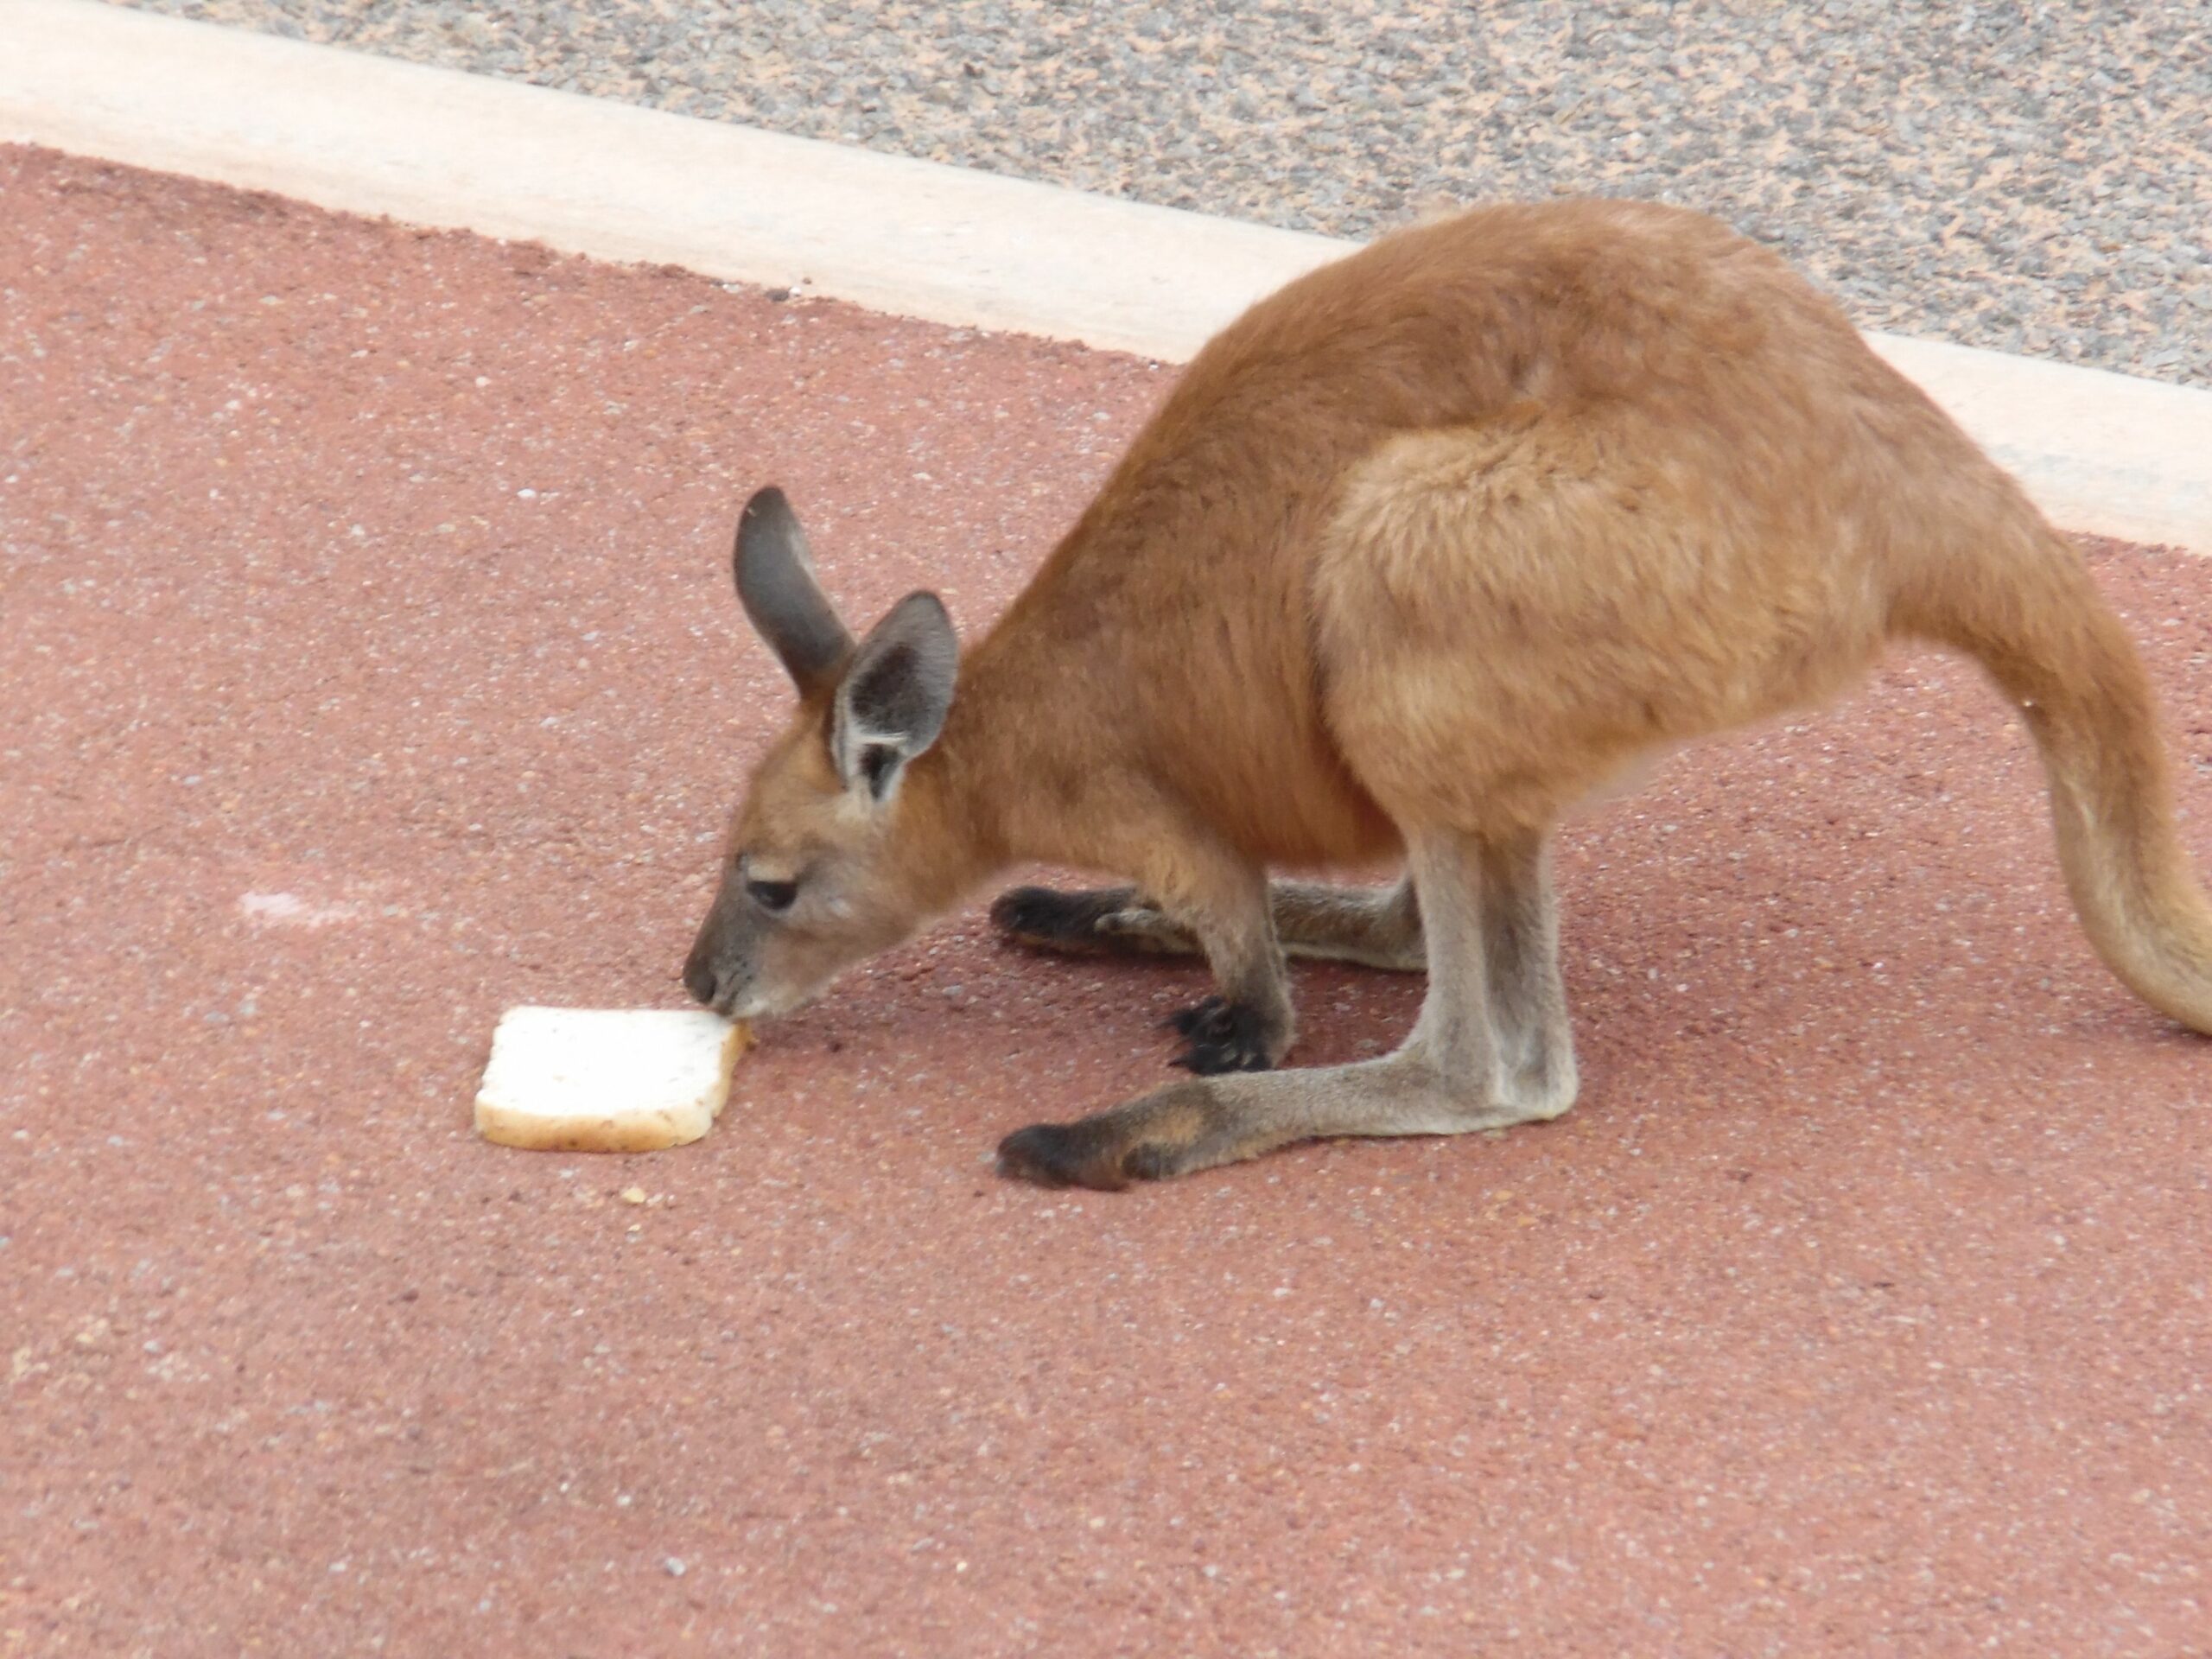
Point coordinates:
[(1422, 551)]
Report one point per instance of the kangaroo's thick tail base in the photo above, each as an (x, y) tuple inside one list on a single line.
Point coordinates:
[(2030, 614)]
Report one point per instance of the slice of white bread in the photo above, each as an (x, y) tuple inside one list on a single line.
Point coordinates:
[(606, 1079)]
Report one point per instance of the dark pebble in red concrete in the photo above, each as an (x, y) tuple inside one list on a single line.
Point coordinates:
[(369, 665)]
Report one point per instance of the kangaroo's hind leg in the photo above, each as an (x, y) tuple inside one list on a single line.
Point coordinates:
[(1528, 1000), (1489, 1048), (1376, 927)]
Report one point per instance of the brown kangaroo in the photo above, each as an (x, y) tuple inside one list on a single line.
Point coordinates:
[(1422, 550)]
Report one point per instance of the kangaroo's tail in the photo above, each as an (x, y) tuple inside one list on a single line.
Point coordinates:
[(2024, 605)]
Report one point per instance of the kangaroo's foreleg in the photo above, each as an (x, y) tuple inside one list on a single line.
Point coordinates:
[(1221, 900), (1490, 1049)]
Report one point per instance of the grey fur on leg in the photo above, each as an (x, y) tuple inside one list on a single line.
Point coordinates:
[(1099, 921), (1376, 927), (1456, 1072), (1527, 1002)]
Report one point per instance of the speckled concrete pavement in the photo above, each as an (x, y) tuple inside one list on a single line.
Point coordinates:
[(2027, 179), (369, 665)]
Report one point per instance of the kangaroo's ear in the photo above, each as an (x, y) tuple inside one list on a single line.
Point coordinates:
[(892, 703), (786, 606)]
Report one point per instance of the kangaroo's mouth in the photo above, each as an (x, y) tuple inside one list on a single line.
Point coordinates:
[(751, 1006), (755, 1003)]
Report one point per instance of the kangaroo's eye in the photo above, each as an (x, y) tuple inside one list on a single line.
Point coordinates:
[(775, 897)]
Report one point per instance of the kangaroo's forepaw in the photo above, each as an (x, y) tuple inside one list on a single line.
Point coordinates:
[(1224, 1036)]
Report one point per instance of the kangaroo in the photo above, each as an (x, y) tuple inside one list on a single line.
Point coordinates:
[(1422, 550)]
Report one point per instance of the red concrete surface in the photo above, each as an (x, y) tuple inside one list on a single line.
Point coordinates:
[(369, 665)]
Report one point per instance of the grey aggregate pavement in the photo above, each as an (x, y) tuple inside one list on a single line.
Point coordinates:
[(2030, 177)]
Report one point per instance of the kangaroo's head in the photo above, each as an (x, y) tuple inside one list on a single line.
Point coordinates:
[(813, 876)]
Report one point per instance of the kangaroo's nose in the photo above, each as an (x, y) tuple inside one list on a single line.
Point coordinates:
[(699, 977)]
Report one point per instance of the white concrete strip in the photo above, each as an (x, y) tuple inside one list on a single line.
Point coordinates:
[(370, 135), (2101, 452)]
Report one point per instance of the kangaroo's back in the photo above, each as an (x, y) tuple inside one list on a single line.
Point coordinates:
[(1192, 579)]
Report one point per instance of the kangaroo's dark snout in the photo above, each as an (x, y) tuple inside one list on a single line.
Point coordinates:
[(699, 974)]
